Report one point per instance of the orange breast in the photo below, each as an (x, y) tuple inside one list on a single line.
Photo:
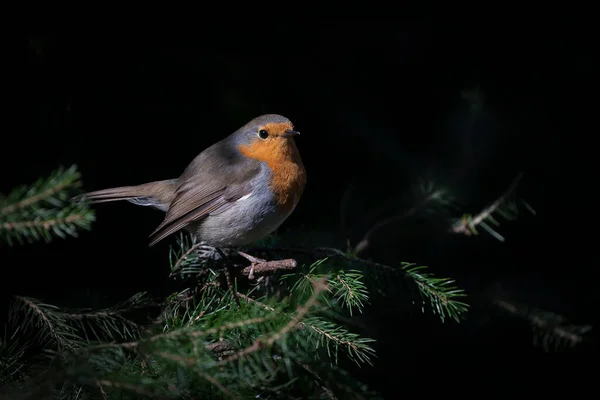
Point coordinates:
[(288, 173)]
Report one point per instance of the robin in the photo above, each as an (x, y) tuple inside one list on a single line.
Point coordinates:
[(235, 192)]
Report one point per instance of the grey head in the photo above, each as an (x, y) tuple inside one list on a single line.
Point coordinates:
[(265, 127)]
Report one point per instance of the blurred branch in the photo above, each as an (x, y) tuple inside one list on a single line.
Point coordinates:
[(43, 210), (364, 243), (468, 224), (110, 323), (549, 328), (43, 322)]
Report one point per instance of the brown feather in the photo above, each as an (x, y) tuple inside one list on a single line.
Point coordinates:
[(162, 192), (206, 187)]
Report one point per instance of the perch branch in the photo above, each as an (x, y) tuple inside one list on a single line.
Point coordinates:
[(268, 267)]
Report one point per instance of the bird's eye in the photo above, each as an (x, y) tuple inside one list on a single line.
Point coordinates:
[(263, 134)]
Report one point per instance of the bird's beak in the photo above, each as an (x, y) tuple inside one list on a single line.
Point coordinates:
[(289, 133)]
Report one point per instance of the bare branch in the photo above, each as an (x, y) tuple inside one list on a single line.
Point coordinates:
[(269, 267)]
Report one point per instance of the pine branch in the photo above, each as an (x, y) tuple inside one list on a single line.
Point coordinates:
[(441, 296), (109, 323), (550, 329), (185, 258), (54, 325), (350, 289), (69, 391), (333, 338), (207, 344), (429, 197), (269, 353), (12, 352), (346, 286), (256, 340), (440, 292), (42, 211), (50, 190), (43, 323), (329, 335), (505, 206)]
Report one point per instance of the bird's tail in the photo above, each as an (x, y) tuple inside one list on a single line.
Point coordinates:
[(157, 194)]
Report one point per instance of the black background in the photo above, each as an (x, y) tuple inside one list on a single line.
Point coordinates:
[(377, 103)]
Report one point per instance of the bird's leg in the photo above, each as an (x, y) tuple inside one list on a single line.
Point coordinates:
[(228, 273), (253, 261), (209, 252)]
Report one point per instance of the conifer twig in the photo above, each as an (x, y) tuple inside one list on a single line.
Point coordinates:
[(549, 327), (44, 189), (326, 331), (364, 243), (467, 225), (43, 210), (45, 322), (443, 298), (301, 312), (440, 292)]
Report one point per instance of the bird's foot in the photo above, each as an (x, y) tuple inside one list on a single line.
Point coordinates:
[(253, 261), (211, 253)]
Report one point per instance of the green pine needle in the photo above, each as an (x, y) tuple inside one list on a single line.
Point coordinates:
[(12, 356), (440, 292), (43, 210), (108, 323), (42, 323), (333, 337), (349, 289)]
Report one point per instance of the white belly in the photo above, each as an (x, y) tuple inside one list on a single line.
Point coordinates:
[(251, 218)]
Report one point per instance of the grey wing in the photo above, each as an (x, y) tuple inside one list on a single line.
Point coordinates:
[(201, 194), (191, 205)]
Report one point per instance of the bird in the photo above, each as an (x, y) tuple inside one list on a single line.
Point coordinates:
[(234, 193)]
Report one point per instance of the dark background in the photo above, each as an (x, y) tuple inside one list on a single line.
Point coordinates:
[(377, 103)]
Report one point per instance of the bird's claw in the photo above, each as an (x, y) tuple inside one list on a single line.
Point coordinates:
[(253, 261), (208, 252)]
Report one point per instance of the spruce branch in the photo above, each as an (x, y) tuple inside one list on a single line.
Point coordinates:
[(190, 257), (429, 197), (58, 331), (505, 206), (440, 292), (50, 190), (346, 286), (330, 336), (43, 210), (253, 364), (334, 337), (441, 296), (12, 352), (319, 287), (43, 323), (184, 257), (350, 289), (206, 344), (551, 330), (109, 323)]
